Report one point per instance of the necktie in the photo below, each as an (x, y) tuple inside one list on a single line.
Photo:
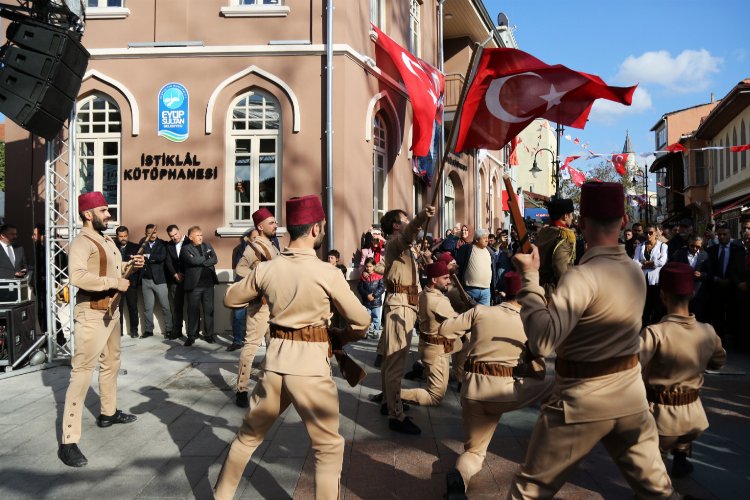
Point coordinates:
[(11, 255), (722, 253)]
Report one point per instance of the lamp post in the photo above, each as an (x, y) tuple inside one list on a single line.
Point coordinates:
[(555, 159), (644, 176)]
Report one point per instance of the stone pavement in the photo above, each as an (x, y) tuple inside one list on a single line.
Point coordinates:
[(187, 417)]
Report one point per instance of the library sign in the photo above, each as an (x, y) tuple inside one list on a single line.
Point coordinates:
[(163, 166)]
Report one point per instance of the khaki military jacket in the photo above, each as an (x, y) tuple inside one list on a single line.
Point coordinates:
[(400, 265), (250, 261), (674, 354), (497, 336), (83, 263), (434, 308), (557, 251), (593, 315), (300, 290)]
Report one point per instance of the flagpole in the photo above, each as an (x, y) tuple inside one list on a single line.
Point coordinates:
[(470, 73)]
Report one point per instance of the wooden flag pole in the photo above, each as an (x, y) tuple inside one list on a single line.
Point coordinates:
[(516, 216)]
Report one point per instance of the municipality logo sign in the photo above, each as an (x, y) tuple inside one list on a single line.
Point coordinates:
[(173, 112)]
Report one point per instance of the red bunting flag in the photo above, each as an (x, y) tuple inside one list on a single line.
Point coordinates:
[(619, 161), (737, 149), (513, 160), (512, 88), (577, 176), (577, 140), (569, 160), (676, 148), (425, 86)]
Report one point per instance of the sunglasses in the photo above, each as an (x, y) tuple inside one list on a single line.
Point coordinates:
[(650, 232)]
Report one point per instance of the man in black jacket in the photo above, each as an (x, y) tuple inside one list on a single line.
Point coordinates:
[(154, 283), (198, 260), (127, 250), (726, 261), (175, 278)]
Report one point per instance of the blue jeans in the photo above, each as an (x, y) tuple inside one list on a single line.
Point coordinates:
[(238, 325), (375, 317), (480, 295)]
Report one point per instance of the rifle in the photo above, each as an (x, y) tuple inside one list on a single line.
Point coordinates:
[(127, 271), (467, 301), (350, 370), (516, 216)]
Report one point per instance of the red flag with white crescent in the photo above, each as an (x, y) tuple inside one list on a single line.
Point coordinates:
[(619, 161), (577, 176)]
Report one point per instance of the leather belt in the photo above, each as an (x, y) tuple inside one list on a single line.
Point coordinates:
[(489, 368), (306, 334), (396, 288), (672, 398), (591, 369), (437, 340)]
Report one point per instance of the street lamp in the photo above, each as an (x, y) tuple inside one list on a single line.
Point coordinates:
[(555, 159), (644, 176)]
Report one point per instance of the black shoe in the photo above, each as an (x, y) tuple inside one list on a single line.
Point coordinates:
[(71, 455), (384, 408), (681, 467), (455, 485), (241, 400), (405, 426), (417, 371), (234, 346), (118, 418), (209, 339), (378, 361), (133, 335), (145, 335), (189, 342), (376, 398)]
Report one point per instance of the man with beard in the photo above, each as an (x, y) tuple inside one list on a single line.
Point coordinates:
[(299, 289), (680, 238), (557, 244), (260, 250), (96, 269), (127, 250)]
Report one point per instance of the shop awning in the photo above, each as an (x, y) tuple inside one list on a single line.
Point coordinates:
[(731, 205)]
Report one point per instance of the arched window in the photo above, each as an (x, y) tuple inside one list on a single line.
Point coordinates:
[(255, 146), (379, 168), (735, 156), (727, 157), (743, 141), (450, 204), (98, 139)]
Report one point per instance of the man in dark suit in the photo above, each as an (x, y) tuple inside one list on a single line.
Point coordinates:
[(198, 260), (726, 260), (154, 283), (128, 249), (12, 258), (697, 258), (175, 278)]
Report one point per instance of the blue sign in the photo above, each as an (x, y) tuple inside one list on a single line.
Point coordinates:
[(173, 112)]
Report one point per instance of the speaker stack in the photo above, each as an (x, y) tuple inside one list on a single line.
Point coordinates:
[(42, 68)]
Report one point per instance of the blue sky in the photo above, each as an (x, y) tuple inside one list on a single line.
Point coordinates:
[(677, 51)]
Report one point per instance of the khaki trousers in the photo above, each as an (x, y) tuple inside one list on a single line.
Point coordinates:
[(678, 443), (316, 400), (436, 365), (556, 447), (458, 357), (399, 323), (256, 326), (97, 339)]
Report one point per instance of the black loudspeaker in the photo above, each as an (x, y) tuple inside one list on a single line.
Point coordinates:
[(18, 324), (42, 68)]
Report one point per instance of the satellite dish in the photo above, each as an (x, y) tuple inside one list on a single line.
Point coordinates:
[(502, 20)]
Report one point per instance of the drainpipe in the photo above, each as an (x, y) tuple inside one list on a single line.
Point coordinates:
[(329, 121), (441, 148)]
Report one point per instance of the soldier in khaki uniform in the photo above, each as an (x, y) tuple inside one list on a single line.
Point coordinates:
[(95, 265), (557, 244), (260, 250), (599, 393), (496, 381), (434, 350), (674, 354), (400, 309), (300, 290)]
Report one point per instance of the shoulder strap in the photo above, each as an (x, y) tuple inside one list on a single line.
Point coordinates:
[(102, 256), (258, 255), (266, 252)]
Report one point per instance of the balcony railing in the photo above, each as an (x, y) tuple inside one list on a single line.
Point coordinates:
[(454, 82)]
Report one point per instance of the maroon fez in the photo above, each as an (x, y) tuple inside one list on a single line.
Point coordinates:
[(437, 269), (677, 278), (602, 200), (304, 210), (94, 199), (446, 257), (512, 283), (260, 215)]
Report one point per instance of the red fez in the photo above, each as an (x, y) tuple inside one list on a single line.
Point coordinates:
[(437, 269), (446, 257), (602, 200), (512, 283), (304, 210), (677, 278), (260, 215), (94, 199)]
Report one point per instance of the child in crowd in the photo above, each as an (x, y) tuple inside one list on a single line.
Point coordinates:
[(371, 289), (334, 258)]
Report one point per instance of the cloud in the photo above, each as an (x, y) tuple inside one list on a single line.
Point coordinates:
[(608, 112), (689, 71)]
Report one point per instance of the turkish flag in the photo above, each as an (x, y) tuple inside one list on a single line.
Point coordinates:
[(505, 200), (425, 86), (513, 160), (577, 176), (512, 88), (676, 148), (737, 149), (619, 161), (568, 160)]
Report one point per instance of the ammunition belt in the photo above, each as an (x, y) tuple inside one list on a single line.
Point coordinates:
[(437, 340), (672, 398), (306, 334)]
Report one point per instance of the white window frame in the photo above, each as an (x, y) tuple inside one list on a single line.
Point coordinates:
[(661, 137), (415, 27), (103, 11), (255, 8), (255, 136), (377, 13), (99, 139), (379, 174), (450, 203)]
